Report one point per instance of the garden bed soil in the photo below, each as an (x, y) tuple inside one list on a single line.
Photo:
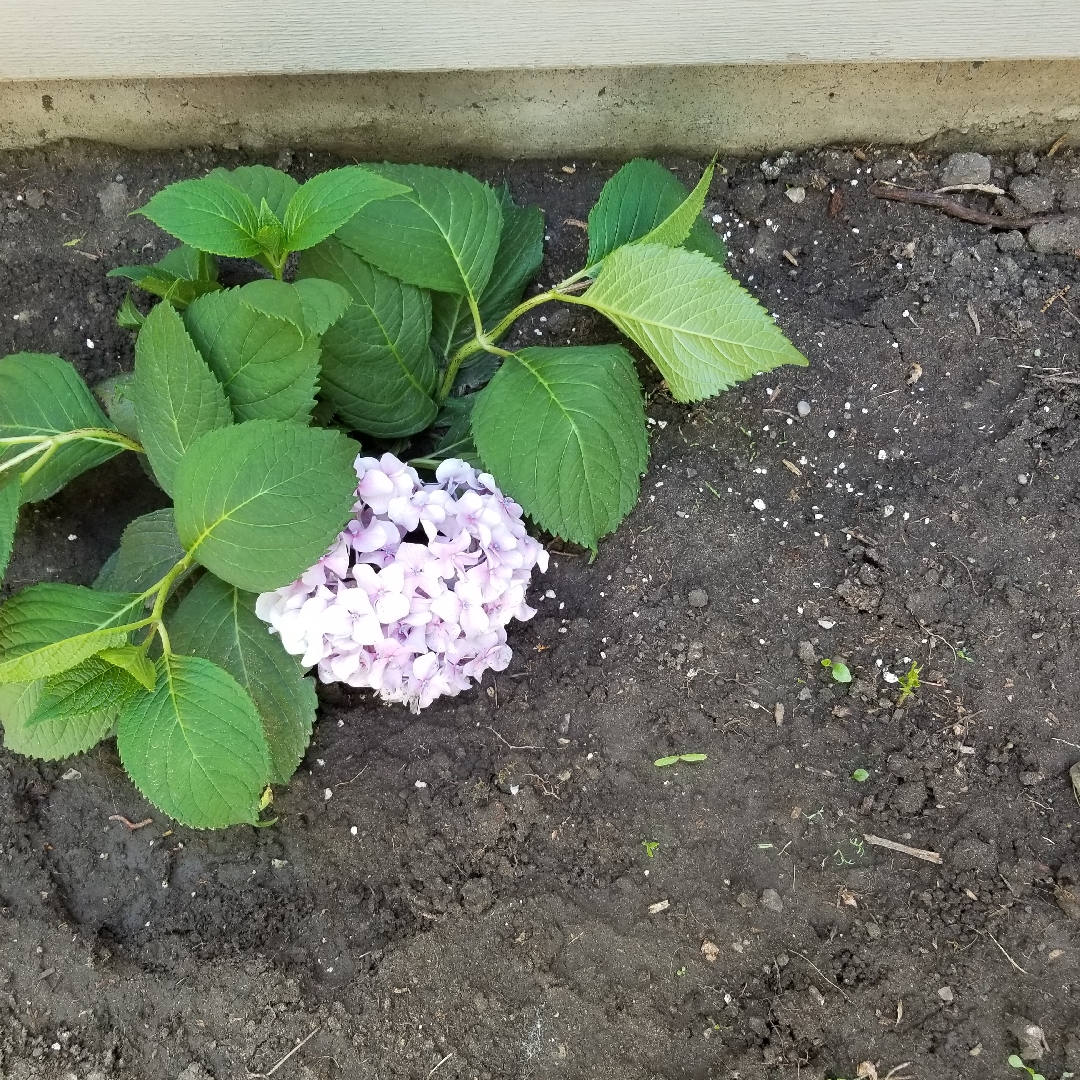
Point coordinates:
[(506, 887)]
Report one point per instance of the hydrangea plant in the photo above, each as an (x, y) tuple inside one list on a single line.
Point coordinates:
[(249, 405)]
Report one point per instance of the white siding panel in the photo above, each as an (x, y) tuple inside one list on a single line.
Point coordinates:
[(57, 39)]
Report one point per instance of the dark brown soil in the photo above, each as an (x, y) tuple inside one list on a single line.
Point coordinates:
[(506, 887)]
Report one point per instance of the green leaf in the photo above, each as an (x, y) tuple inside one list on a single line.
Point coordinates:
[(377, 367), (116, 395), (457, 441), (311, 305), (259, 503), (691, 758), (195, 746), (133, 660), (329, 200), (443, 234), (50, 628), (637, 199), (129, 317), (860, 776), (218, 622), (189, 263), (840, 671), (675, 228), (267, 368), (180, 276), (94, 686), (207, 214), (44, 721), (700, 327), (176, 396), (664, 762), (520, 253), (17, 703), (9, 519), (41, 394), (259, 182), (148, 550), (563, 432)]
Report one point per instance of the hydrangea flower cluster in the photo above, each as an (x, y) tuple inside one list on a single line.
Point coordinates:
[(412, 620)]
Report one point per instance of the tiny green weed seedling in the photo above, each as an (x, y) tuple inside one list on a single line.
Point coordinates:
[(909, 683), (674, 759), (1017, 1063), (838, 669), (860, 776), (650, 847), (248, 404)]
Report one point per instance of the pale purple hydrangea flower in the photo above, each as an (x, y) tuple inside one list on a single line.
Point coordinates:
[(412, 620)]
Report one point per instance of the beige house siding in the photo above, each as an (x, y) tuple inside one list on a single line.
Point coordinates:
[(419, 79)]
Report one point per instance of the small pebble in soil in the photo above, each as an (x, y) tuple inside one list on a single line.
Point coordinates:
[(771, 901), (946, 994), (1023, 479), (803, 408), (697, 598)]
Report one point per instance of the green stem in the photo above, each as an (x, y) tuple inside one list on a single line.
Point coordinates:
[(25, 455), (40, 463), (165, 584)]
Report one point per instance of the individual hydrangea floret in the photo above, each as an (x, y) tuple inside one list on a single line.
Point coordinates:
[(414, 596)]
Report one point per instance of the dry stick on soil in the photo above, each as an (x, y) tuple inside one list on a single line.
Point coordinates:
[(892, 845), (1003, 952), (821, 973), (265, 1075), (443, 1062), (956, 209)]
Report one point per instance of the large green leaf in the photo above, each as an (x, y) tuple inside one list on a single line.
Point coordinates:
[(563, 432), (260, 182), (457, 440), (177, 398), (179, 276), (259, 503), (117, 397), (17, 703), (218, 621), (50, 628), (90, 687), (443, 234), (377, 367), (700, 327), (195, 746), (268, 369), (9, 519), (41, 394), (312, 305), (675, 228), (73, 712), (148, 550), (520, 253), (208, 214), (329, 200), (638, 198), (63, 733)]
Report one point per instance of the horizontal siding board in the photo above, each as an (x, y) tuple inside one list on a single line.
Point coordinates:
[(97, 39)]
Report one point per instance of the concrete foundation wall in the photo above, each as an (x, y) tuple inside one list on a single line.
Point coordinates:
[(613, 112)]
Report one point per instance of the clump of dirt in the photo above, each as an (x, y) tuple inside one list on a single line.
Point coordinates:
[(507, 886)]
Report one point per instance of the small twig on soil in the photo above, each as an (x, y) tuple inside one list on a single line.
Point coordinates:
[(986, 189), (346, 783), (508, 744), (132, 825), (968, 569), (1064, 380), (892, 845), (443, 1062), (1003, 952), (821, 973), (956, 209), (264, 1075)]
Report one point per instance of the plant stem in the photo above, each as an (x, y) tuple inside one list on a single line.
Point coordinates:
[(47, 445)]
